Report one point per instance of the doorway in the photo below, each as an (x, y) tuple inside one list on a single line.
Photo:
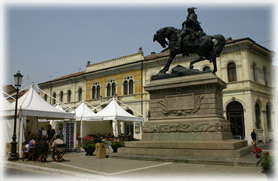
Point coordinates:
[(129, 125), (236, 117)]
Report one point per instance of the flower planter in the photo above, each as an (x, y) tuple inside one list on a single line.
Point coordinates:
[(115, 149), (90, 151)]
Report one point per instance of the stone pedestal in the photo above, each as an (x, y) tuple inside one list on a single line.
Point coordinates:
[(187, 108), (186, 119)]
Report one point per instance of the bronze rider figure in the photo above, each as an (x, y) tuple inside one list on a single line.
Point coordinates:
[(191, 27)]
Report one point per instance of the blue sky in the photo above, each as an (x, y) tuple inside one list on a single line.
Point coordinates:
[(47, 42)]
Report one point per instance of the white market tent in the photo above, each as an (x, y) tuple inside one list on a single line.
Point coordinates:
[(5, 104), (84, 113), (32, 105), (7, 123), (113, 111)]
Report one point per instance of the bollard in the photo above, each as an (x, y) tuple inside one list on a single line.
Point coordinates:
[(100, 150)]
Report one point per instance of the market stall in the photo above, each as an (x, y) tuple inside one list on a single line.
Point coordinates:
[(31, 107), (83, 113), (115, 113)]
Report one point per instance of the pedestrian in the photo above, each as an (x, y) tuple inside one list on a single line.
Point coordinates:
[(254, 137), (50, 135), (41, 131)]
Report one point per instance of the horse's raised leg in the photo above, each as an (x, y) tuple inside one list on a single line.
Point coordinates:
[(214, 66), (195, 61), (166, 67)]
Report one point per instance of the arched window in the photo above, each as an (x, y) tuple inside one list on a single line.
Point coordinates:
[(131, 86), (232, 72), (258, 116), (265, 77), (255, 72), (79, 94), (69, 96), (98, 91), (125, 87), (268, 117), (95, 90), (128, 85), (108, 90), (206, 69), (45, 97), (54, 98), (111, 88), (61, 96)]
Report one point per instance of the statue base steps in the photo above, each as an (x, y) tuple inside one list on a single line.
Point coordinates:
[(191, 149), (247, 161)]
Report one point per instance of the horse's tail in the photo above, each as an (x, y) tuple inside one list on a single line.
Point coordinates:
[(219, 45)]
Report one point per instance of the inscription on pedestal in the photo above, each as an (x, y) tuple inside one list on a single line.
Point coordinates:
[(180, 105), (179, 102)]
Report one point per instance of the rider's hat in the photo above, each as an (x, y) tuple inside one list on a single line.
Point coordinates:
[(190, 10)]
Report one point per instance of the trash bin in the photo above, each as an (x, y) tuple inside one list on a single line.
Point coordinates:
[(100, 150)]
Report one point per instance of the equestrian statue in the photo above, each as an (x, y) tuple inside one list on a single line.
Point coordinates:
[(190, 39)]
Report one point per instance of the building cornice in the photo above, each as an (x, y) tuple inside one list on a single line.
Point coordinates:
[(115, 62), (250, 45)]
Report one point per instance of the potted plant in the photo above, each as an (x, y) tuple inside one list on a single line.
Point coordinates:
[(115, 145), (89, 145), (266, 163)]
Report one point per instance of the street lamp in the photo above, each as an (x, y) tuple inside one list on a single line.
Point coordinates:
[(17, 80)]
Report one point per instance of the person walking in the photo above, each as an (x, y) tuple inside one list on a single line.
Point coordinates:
[(254, 137), (50, 135)]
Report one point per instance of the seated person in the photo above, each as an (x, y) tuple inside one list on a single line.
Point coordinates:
[(43, 150), (31, 146), (32, 143), (56, 142)]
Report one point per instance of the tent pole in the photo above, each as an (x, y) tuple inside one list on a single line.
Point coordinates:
[(81, 128), (129, 107), (104, 103), (53, 97), (91, 105)]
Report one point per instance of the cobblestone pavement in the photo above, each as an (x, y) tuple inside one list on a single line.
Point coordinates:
[(80, 166)]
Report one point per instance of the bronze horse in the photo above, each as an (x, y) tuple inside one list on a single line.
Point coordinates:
[(204, 46)]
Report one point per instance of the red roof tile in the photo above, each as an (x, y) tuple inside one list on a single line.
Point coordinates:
[(66, 76)]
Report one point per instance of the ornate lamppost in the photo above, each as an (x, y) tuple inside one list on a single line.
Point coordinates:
[(17, 79)]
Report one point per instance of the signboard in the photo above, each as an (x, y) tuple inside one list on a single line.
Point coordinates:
[(69, 134)]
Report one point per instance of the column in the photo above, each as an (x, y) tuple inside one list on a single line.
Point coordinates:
[(264, 126)]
